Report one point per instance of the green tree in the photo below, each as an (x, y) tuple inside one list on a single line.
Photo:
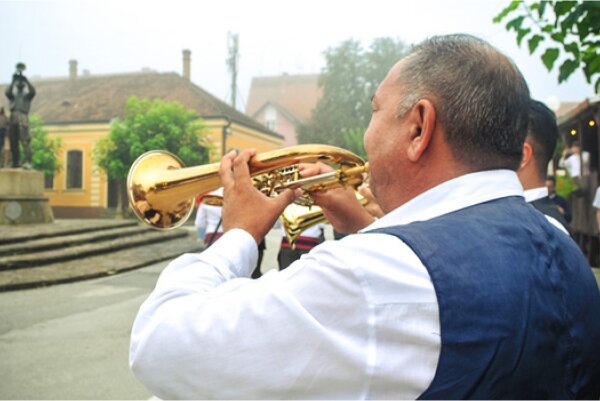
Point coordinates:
[(151, 125), (44, 150), (349, 79), (568, 27), (353, 141)]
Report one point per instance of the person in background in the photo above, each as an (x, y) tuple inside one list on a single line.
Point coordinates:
[(540, 142), (461, 290), (563, 205), (575, 161), (596, 204), (261, 252), (306, 241), (208, 221)]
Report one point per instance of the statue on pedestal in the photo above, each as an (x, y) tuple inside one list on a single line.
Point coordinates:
[(20, 103)]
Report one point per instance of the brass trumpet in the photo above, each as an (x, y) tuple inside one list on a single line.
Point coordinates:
[(295, 218), (161, 191)]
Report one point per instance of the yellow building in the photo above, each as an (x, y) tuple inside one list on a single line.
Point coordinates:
[(79, 109)]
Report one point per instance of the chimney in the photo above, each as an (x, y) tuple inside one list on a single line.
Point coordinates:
[(72, 69), (187, 57)]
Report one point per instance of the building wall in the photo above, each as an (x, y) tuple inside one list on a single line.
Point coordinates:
[(282, 126), (92, 198), (81, 137), (239, 136)]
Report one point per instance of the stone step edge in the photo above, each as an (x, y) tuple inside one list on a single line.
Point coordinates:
[(60, 233), (51, 243), (69, 278), (150, 237)]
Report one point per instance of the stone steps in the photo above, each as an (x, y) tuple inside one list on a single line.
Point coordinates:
[(22, 233), (68, 239), (82, 249)]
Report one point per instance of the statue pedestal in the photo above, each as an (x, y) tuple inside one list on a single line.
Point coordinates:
[(22, 198)]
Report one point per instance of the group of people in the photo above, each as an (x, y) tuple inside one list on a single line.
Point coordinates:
[(458, 289), (14, 129)]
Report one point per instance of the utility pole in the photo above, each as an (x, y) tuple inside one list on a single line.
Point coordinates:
[(232, 62)]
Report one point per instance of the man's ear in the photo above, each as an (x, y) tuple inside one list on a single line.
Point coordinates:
[(422, 125), (527, 155)]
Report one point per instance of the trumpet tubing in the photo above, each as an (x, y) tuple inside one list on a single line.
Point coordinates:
[(161, 190), (297, 218)]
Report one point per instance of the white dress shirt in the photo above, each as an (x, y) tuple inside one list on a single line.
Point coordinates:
[(573, 164), (539, 193), (353, 319)]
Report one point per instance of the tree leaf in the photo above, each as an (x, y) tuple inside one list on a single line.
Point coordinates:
[(511, 7), (593, 63), (534, 42), (521, 33), (566, 69), (542, 8), (515, 23), (548, 28), (550, 56), (563, 7), (558, 36), (572, 48), (571, 19)]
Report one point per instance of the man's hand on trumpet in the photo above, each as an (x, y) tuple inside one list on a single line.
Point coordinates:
[(244, 206), (340, 206)]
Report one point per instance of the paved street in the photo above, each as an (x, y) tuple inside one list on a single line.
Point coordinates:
[(71, 341)]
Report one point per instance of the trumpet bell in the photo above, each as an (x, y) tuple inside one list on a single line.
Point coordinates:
[(149, 203)]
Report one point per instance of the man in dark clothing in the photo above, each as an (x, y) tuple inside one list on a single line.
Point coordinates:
[(542, 134), (563, 205)]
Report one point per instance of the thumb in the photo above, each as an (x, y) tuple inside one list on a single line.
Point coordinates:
[(284, 199)]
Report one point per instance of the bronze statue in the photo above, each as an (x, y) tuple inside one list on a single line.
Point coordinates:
[(3, 136), (20, 103)]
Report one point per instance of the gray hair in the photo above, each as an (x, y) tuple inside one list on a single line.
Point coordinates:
[(480, 96)]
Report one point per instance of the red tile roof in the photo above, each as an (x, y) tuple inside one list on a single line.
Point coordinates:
[(297, 94), (103, 97)]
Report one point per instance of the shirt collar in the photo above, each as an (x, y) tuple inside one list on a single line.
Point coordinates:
[(535, 194), (458, 193)]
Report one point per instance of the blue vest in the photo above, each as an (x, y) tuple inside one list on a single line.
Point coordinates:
[(519, 306)]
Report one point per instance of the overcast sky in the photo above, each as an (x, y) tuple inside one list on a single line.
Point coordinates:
[(275, 37)]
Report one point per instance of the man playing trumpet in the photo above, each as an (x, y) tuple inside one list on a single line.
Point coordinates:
[(461, 290)]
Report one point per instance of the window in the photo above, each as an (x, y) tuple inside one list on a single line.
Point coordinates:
[(48, 181), (74, 169), (270, 117)]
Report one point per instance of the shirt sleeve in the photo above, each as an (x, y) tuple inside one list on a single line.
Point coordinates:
[(209, 332)]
